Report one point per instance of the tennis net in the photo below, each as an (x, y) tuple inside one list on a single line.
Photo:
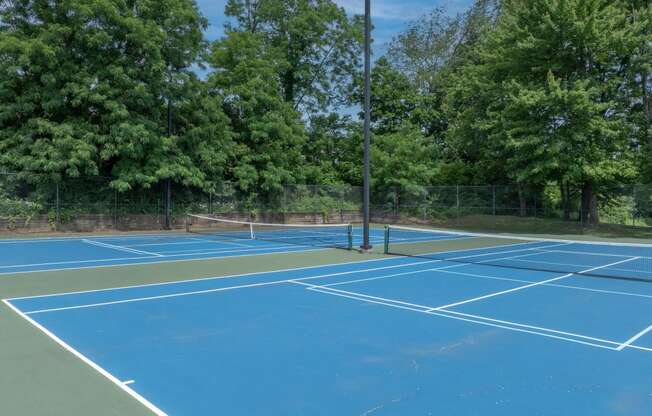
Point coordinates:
[(614, 260), (319, 235)]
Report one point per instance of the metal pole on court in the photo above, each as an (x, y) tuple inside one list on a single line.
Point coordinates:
[(367, 123), (168, 181)]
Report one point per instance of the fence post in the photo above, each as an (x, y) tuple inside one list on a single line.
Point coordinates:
[(634, 205), (457, 199), (210, 202), (115, 209), (168, 204), (285, 199), (396, 208), (57, 208), (493, 199)]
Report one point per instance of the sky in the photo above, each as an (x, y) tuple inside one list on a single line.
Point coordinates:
[(389, 17)]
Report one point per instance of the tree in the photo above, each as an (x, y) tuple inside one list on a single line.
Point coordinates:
[(316, 47), (333, 150), (639, 82), (83, 87), (404, 162), (546, 96), (434, 44), (428, 53), (267, 131), (393, 97)]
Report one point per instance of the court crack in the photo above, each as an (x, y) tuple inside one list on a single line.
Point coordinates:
[(381, 406)]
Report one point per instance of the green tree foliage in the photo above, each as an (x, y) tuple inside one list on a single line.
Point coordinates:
[(316, 47), (403, 160), (394, 98), (268, 132), (203, 134), (333, 150), (639, 86), (535, 93), (545, 96), (428, 52), (83, 87)]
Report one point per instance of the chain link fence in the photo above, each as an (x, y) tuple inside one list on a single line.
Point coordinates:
[(38, 204), (626, 205)]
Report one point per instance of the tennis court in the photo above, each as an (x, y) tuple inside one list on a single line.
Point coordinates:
[(454, 324), (33, 255)]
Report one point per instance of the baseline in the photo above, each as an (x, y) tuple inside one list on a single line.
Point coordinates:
[(123, 386)]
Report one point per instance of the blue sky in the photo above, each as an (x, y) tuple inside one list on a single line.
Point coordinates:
[(389, 16)]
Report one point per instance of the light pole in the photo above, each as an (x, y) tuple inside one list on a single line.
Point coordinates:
[(367, 124)]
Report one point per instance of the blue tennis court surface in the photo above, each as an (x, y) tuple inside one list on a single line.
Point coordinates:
[(394, 336), (34, 255)]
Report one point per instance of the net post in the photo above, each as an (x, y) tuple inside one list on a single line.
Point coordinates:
[(251, 232), (349, 236), (386, 244)]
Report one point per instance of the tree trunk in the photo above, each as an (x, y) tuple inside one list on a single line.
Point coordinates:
[(565, 199), (593, 210), (589, 209)]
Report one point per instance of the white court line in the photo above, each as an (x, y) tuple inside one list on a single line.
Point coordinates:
[(198, 292), (588, 253), (128, 382), (157, 297), (191, 241), (89, 362), (203, 249), (615, 269), (608, 265), (634, 338), (582, 288), (471, 318), (488, 277), (581, 265), (16, 266), (488, 254), (352, 295), (61, 239), (537, 328), (143, 263), (428, 309), (393, 301), (328, 275), (519, 259), (120, 248), (204, 258), (503, 292), (232, 276), (368, 279), (436, 268)]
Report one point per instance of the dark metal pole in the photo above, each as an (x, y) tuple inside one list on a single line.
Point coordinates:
[(57, 215), (367, 123), (168, 182)]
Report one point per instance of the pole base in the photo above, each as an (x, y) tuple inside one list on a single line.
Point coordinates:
[(366, 249)]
